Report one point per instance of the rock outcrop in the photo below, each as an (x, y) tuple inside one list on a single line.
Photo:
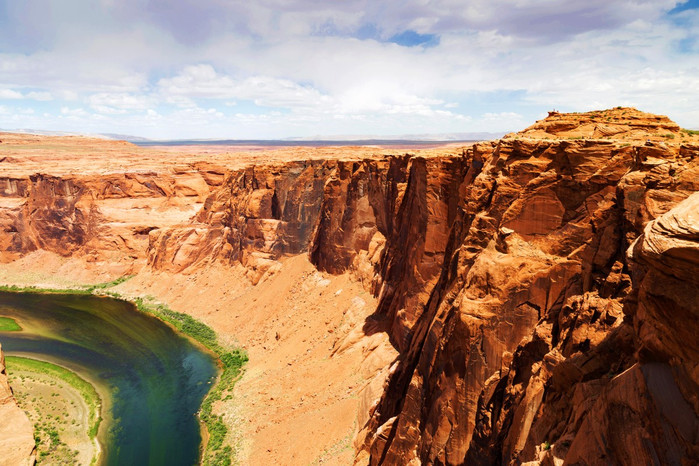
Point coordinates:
[(540, 290), (542, 340), (17, 446), (621, 123), (257, 214), (105, 217)]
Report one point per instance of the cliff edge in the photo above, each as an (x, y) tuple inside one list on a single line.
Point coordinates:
[(527, 300)]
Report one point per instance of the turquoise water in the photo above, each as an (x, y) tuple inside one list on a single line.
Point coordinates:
[(156, 377)]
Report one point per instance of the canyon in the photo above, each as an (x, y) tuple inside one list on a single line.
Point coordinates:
[(526, 300)]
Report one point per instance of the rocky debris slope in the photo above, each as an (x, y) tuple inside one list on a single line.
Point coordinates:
[(17, 446), (540, 290)]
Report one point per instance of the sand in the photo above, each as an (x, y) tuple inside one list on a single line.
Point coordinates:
[(54, 406)]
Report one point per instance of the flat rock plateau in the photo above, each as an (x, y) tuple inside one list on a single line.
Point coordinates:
[(531, 300)]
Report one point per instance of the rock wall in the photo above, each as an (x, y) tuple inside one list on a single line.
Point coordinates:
[(541, 330), (106, 217), (540, 290), (257, 214)]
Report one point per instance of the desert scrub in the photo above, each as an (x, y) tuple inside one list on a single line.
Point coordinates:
[(231, 362), (87, 391), (36, 289), (82, 289), (102, 286)]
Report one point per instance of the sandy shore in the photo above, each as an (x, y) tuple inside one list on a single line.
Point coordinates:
[(60, 414), (311, 366)]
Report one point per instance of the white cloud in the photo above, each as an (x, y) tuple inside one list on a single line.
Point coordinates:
[(73, 112), (307, 57), (9, 94), (118, 103), (40, 96), (502, 115), (202, 81)]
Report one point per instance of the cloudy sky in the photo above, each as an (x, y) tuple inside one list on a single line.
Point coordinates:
[(284, 68)]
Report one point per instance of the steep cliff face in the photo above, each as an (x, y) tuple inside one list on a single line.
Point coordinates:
[(538, 312), (17, 446), (389, 223), (105, 217), (540, 291), (258, 214)]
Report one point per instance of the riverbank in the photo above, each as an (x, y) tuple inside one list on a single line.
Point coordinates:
[(64, 408), (214, 429), (312, 367), (231, 363)]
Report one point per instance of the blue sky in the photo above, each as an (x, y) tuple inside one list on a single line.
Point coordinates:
[(314, 68)]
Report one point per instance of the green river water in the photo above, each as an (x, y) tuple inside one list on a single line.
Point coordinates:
[(155, 377)]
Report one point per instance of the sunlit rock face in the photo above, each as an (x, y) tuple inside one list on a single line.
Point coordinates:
[(540, 290), (560, 326)]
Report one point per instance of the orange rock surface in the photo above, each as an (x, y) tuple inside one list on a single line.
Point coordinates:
[(531, 299)]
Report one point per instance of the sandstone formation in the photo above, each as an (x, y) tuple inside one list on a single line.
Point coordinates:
[(16, 432), (621, 123), (538, 332), (539, 292)]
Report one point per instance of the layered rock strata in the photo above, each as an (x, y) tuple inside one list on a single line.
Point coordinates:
[(540, 290), (542, 330)]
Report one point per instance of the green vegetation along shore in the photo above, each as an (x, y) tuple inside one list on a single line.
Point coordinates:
[(64, 408), (9, 325), (231, 361)]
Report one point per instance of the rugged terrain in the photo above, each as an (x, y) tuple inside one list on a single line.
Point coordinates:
[(528, 299)]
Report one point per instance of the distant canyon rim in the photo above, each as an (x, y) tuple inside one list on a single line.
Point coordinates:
[(529, 300)]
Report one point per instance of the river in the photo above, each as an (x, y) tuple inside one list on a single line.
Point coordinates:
[(155, 377)]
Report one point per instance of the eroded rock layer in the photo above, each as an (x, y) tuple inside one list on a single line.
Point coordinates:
[(543, 339), (540, 291)]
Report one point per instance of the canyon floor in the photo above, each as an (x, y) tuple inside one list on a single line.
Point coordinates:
[(61, 414), (302, 329), (503, 302), (310, 357)]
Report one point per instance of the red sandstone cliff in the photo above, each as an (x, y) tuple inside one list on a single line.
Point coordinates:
[(541, 329), (540, 290)]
